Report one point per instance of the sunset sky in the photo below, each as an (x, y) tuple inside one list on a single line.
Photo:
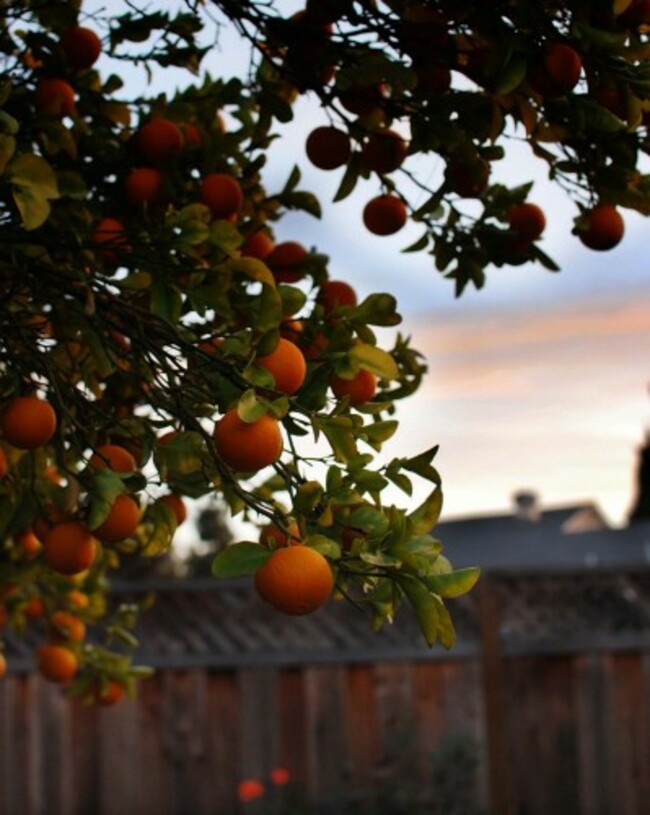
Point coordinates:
[(540, 380)]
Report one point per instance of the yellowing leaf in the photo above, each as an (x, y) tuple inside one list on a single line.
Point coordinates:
[(375, 360), (34, 184)]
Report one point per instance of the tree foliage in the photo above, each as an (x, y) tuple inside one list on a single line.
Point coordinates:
[(144, 300)]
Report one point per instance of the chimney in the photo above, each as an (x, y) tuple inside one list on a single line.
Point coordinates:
[(527, 506), (641, 503)]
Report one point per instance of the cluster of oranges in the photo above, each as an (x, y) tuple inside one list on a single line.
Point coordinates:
[(88, 501), (436, 43)]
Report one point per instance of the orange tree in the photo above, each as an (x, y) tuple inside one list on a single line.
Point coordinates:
[(158, 343)]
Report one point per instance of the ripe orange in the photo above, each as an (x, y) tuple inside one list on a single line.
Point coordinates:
[(78, 599), (29, 543), (81, 47), (558, 72), (108, 235), (314, 345), (605, 228), (177, 505), (273, 537), (192, 136), (69, 548), (159, 141), (284, 261), (115, 457), (3, 665), (121, 521), (144, 185), (291, 329), (527, 220), (258, 245), (363, 100), (67, 627), (384, 215), (335, 294), (109, 694), (295, 580), (384, 152), (54, 97), (637, 13), (4, 466), (222, 194), (248, 446), (286, 363), (34, 608), (359, 389), (28, 422), (468, 180), (56, 662), (328, 148)]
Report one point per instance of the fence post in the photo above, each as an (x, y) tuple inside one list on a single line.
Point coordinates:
[(496, 723)]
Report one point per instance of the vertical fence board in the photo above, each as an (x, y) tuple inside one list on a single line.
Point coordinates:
[(294, 740), (258, 721), (184, 711), (223, 739), (631, 755), (86, 735), (362, 735), (150, 761), (592, 732), (328, 768), (395, 719), (560, 746)]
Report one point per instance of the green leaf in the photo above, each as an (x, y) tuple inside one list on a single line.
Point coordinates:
[(511, 76), (326, 546), (349, 180), (240, 560), (33, 209), (106, 486), (308, 496), (455, 583), (35, 184), (304, 201), (375, 360), (182, 455), (249, 408), (379, 432), (425, 605), (426, 516), (446, 631), (156, 529), (33, 172), (166, 301), (420, 244), (376, 309), (226, 237), (253, 268), (421, 465), (7, 148), (338, 432), (400, 480), (293, 180)]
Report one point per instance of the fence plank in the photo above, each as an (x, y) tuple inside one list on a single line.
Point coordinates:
[(86, 736), (328, 757), (223, 740), (592, 734), (293, 737), (362, 736), (258, 722), (631, 755)]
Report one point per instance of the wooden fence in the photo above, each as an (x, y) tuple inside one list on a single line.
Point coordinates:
[(505, 731)]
